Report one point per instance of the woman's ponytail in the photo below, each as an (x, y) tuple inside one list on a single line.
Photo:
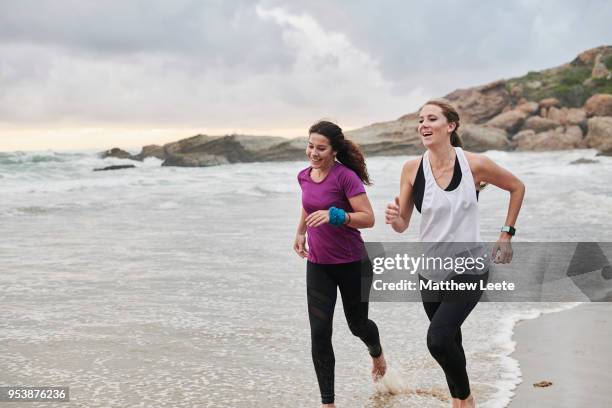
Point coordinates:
[(352, 157), (455, 139)]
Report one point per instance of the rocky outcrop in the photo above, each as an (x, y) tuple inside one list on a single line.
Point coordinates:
[(599, 105), (152, 151), (565, 116), (480, 104), (510, 121), (116, 153), (522, 139), (202, 150), (588, 57), (558, 139), (599, 134), (117, 167), (542, 110), (548, 103), (528, 108), (583, 160), (195, 160), (540, 124), (398, 137), (286, 150), (599, 68), (480, 138)]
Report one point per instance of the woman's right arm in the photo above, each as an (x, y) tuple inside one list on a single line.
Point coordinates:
[(398, 214), (299, 245)]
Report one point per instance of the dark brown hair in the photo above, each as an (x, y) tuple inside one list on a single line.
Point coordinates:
[(451, 115), (347, 151)]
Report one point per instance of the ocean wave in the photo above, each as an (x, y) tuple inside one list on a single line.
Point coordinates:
[(269, 189), (16, 158)]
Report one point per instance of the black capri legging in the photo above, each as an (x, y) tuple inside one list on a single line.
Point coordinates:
[(447, 310), (322, 281)]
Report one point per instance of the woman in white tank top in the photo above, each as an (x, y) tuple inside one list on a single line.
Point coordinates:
[(444, 186)]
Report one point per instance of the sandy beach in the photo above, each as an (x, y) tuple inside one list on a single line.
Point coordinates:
[(572, 350)]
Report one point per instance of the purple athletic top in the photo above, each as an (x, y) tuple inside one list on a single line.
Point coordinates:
[(329, 244)]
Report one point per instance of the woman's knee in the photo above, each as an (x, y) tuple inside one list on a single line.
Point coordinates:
[(363, 328), (439, 343), (357, 328)]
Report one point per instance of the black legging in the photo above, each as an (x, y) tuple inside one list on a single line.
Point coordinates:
[(322, 282), (444, 339)]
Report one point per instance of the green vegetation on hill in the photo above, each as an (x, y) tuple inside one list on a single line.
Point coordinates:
[(571, 84), (567, 85), (608, 62)]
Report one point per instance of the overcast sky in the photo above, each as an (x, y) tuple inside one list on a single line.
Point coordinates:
[(83, 73)]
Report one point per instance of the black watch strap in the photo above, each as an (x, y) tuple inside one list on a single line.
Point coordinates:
[(509, 229)]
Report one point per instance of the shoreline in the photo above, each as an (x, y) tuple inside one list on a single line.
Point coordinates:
[(569, 348)]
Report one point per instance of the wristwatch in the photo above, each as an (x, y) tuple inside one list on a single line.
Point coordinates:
[(510, 230)]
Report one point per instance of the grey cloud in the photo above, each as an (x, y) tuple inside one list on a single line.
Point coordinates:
[(499, 38), (218, 63), (226, 33)]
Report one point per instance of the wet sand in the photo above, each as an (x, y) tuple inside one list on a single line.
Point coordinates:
[(571, 349)]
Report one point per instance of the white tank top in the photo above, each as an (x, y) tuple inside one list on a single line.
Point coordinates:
[(450, 216)]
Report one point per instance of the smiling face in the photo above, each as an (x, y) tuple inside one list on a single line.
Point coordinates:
[(434, 128), (319, 151)]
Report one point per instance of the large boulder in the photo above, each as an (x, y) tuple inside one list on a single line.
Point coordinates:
[(548, 103), (574, 132), (152, 151), (190, 144), (523, 138), (480, 138), (398, 137), (575, 116), (588, 57), (511, 121), (202, 150), (558, 139), (599, 134), (479, 104), (539, 124), (194, 160), (529, 107), (516, 91), (567, 116), (599, 105), (292, 149), (116, 153), (599, 68)]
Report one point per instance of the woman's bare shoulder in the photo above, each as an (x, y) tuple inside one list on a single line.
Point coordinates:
[(476, 160), (410, 169)]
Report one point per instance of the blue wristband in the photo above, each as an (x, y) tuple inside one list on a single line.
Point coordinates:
[(337, 216)]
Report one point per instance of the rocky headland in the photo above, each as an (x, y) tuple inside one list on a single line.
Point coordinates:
[(566, 107)]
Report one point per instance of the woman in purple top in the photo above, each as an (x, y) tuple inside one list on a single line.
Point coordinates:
[(334, 206)]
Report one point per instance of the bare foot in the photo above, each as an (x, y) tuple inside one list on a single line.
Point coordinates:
[(469, 402), (379, 367)]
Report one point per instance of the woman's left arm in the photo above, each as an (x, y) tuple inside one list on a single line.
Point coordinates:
[(489, 172), (362, 215), (486, 170)]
